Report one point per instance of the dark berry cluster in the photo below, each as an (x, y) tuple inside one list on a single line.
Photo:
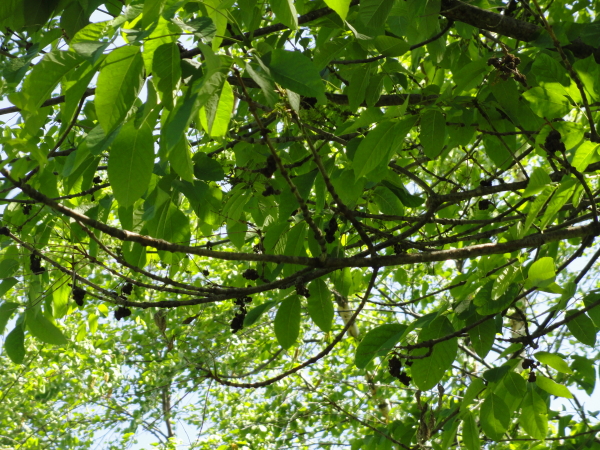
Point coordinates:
[(97, 180), (206, 272), (270, 191), (395, 370), (399, 249), (507, 66), (4, 231), (302, 290), (26, 208), (485, 183), (35, 265), (238, 320), (127, 289), (78, 295), (251, 274), (330, 230), (530, 364), (270, 167), (122, 312), (484, 204), (553, 143)]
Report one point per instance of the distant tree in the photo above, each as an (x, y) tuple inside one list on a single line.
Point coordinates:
[(299, 224)]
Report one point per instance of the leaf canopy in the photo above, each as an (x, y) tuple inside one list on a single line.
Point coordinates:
[(364, 224)]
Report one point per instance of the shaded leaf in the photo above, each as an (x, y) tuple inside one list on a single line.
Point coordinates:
[(378, 342), (119, 83), (287, 322), (319, 305)]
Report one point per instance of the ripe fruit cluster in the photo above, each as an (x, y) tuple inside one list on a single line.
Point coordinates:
[(530, 364), (122, 312), (484, 204), (238, 320), (251, 274), (270, 167), (127, 289), (395, 370), (330, 230), (302, 290), (35, 265), (507, 66), (553, 143), (270, 190), (78, 295)]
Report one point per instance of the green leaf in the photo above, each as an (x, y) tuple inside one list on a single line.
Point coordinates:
[(216, 114), (181, 161), (287, 322), (534, 418), (470, 75), (358, 86), (496, 374), (6, 285), (376, 149), (236, 231), (265, 82), (285, 12), (427, 372), (324, 53), (6, 310), (206, 168), (373, 13), (319, 305), (515, 384), (594, 312), (475, 388), (373, 149), (391, 46), (407, 199), (119, 83), (378, 342), (537, 206), (433, 133), (255, 313), (296, 72), (44, 77), (8, 267), (541, 273), (166, 72), (130, 163), (470, 436), (341, 7), (73, 18), (486, 306), (547, 102), (538, 180), (494, 417), (583, 155), (202, 27), (560, 197), (582, 328), (14, 344), (195, 97), (552, 387), (482, 336), (387, 202), (43, 329), (554, 361)]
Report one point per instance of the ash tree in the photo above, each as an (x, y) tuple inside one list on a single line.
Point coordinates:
[(299, 224)]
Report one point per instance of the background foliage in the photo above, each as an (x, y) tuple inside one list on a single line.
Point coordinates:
[(299, 224)]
